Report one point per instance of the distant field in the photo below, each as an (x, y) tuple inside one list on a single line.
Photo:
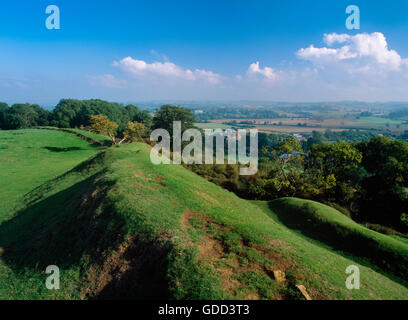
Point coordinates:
[(332, 122), (380, 121), (306, 125), (293, 129), (212, 126)]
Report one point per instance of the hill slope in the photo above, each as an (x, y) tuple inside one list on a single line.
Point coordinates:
[(320, 222), (31, 157), (120, 227)]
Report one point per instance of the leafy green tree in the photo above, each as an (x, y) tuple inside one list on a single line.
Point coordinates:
[(385, 186), (340, 160), (135, 131), (316, 138), (102, 125), (21, 116), (286, 161), (164, 117), (72, 113), (3, 110)]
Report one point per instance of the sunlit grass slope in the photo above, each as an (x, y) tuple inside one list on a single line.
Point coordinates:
[(120, 227), (29, 158), (327, 227), (320, 222)]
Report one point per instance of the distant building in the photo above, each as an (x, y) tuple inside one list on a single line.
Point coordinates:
[(198, 111), (292, 154), (297, 136)]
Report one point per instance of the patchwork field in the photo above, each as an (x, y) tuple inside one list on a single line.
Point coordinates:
[(334, 123)]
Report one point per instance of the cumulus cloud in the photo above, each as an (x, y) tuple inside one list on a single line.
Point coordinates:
[(266, 72), (366, 52), (139, 68), (324, 55), (346, 67)]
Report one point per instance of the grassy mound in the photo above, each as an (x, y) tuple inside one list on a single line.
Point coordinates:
[(118, 226), (323, 223), (31, 157)]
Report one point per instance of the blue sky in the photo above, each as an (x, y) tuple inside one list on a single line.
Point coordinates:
[(203, 50)]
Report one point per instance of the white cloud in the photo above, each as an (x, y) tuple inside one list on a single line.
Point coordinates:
[(209, 76), (365, 52), (106, 80), (345, 67), (324, 55), (140, 68), (332, 38), (266, 72)]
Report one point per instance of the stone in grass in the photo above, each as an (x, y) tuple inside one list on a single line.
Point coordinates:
[(302, 289), (279, 276)]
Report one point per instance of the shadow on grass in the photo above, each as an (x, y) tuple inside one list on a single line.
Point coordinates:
[(57, 149), (351, 243), (79, 228)]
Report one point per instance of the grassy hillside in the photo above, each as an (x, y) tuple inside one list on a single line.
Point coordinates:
[(120, 227), (320, 222), (31, 157)]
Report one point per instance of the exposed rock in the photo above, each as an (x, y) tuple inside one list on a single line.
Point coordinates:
[(279, 276), (302, 289)]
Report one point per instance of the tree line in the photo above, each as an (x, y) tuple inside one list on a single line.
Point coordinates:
[(69, 113)]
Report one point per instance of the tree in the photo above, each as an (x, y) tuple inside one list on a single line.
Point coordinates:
[(289, 152), (20, 116), (102, 125), (340, 160), (135, 131), (286, 162), (3, 110), (75, 113), (385, 186), (316, 138), (164, 117)]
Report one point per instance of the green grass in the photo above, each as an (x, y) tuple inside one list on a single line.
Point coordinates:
[(97, 137), (119, 226), (93, 138), (323, 223), (30, 158)]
